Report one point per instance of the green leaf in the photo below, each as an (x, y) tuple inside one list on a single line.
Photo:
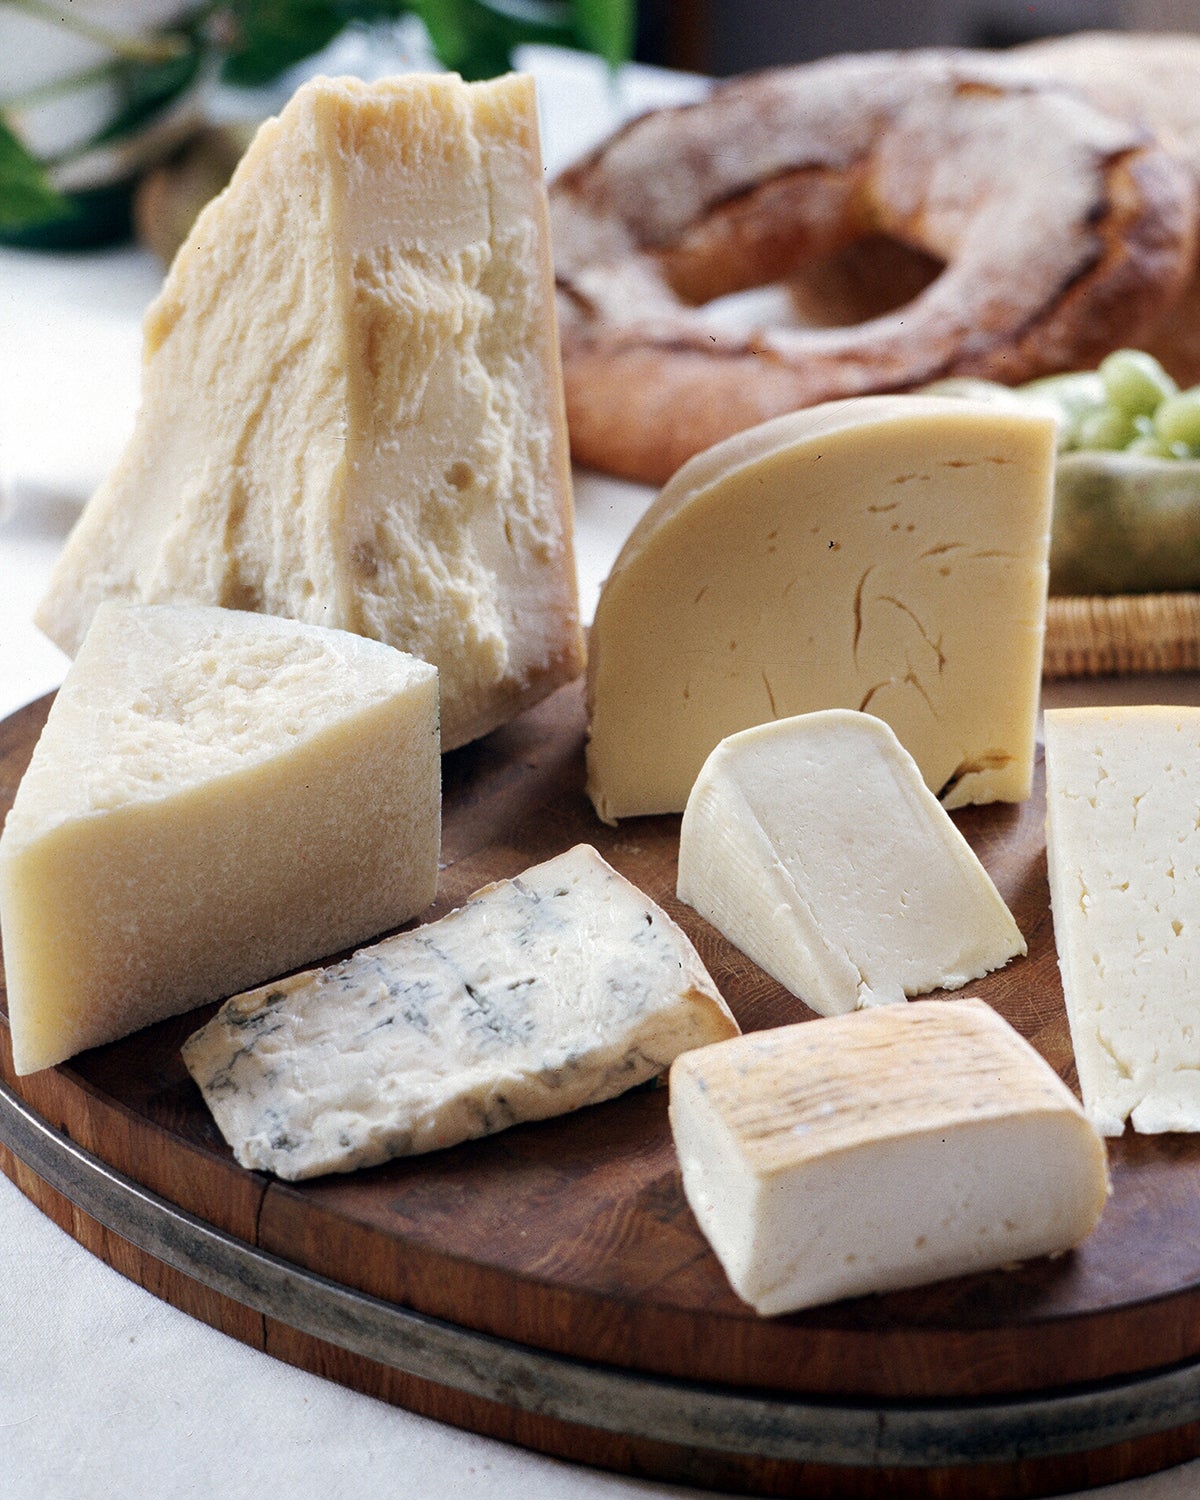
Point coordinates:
[(478, 37), (475, 38), (273, 35), (447, 34), (145, 91), (607, 28), (27, 197)]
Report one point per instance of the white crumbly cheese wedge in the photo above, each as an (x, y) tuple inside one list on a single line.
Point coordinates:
[(352, 403), (560, 988), (882, 1149), (887, 554), (216, 797), (814, 846), (1123, 849)]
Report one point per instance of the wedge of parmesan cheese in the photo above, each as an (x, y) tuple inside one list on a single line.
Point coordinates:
[(887, 554), (216, 797), (352, 405), (814, 846), (557, 989), (881, 1149), (1123, 849)]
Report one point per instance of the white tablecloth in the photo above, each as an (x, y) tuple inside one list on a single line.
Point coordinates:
[(105, 1392)]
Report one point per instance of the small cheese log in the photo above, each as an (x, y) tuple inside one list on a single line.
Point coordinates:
[(557, 989), (352, 407), (814, 846), (882, 1149), (887, 554), (216, 797), (1123, 849)]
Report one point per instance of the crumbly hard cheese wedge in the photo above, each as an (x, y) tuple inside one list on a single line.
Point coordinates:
[(887, 554), (352, 401), (216, 797), (1123, 848), (814, 846), (557, 989), (881, 1149)]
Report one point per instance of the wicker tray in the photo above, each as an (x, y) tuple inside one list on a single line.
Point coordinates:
[(1127, 633)]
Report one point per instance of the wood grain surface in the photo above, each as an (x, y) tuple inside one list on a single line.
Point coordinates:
[(573, 1234)]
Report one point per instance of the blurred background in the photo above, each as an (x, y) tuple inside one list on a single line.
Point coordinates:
[(731, 36), (121, 117)]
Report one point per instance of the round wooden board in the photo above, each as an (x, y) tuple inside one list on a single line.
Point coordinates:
[(573, 1236)]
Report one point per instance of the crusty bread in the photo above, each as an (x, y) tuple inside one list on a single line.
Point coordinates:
[(1064, 232)]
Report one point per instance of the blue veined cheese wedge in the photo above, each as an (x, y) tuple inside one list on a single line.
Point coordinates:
[(1123, 850), (881, 1149), (887, 554), (814, 846), (556, 989), (216, 797), (352, 409)]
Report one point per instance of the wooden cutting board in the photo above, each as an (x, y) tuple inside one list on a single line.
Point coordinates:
[(572, 1236)]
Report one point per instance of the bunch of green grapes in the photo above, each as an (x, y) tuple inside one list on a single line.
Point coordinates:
[(1129, 405)]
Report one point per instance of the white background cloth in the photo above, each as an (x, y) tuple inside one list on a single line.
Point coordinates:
[(105, 1392)]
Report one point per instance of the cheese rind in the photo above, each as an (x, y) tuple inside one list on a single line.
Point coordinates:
[(883, 1149), (887, 554), (814, 846), (562, 987), (216, 797), (352, 401), (1123, 851)]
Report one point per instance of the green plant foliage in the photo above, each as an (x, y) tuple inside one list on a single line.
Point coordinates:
[(146, 89), (26, 196), (606, 27), (477, 37), (270, 36), (257, 40)]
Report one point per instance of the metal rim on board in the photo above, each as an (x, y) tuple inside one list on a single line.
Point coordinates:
[(881, 1434)]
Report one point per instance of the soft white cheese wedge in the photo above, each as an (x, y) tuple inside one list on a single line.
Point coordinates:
[(814, 846), (560, 988), (887, 554), (1123, 849), (352, 406), (216, 797), (882, 1149)]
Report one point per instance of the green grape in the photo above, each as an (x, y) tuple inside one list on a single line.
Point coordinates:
[(1074, 391), (1135, 382), (1102, 427), (1066, 398), (1150, 446), (1177, 420)]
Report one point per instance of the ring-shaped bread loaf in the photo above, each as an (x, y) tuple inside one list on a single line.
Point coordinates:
[(1064, 232)]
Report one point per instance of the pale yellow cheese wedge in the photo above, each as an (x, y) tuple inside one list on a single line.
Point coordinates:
[(1123, 850), (216, 798), (881, 1149), (814, 846), (352, 400), (887, 554)]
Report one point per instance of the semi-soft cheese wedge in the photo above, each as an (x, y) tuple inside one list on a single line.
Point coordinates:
[(814, 846), (560, 988), (352, 400), (216, 797), (1123, 849), (887, 554), (881, 1149)]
